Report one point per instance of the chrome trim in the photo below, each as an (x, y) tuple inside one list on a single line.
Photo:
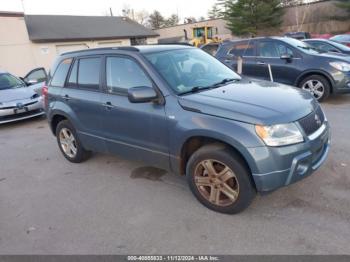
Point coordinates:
[(318, 132)]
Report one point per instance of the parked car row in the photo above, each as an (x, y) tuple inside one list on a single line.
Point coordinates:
[(292, 62), (21, 98)]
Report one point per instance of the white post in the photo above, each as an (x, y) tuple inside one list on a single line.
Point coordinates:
[(270, 72), (239, 65)]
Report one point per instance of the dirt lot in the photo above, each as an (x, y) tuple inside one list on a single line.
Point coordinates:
[(111, 206)]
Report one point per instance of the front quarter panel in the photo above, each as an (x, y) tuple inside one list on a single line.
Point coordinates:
[(185, 124)]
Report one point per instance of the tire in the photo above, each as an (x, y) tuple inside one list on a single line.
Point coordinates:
[(79, 154), (238, 179), (310, 84)]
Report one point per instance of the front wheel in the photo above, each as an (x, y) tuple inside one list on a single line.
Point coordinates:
[(317, 85), (219, 179)]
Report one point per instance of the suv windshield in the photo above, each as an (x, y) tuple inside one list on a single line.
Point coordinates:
[(8, 81), (302, 46), (191, 70)]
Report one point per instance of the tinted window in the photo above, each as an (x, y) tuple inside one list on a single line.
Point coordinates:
[(242, 49), (268, 49), (72, 81), (8, 81), (61, 73), (89, 73), (283, 50), (124, 73)]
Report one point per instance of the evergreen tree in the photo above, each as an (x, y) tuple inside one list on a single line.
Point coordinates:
[(247, 17), (156, 20), (214, 12), (172, 20)]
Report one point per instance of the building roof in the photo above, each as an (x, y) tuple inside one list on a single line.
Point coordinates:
[(44, 28), (11, 14)]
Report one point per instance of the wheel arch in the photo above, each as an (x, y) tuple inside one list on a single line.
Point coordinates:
[(193, 143), (315, 72)]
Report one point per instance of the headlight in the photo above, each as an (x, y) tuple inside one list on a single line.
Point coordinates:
[(279, 135), (342, 66)]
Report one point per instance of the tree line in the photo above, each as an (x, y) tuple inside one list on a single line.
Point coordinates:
[(243, 17)]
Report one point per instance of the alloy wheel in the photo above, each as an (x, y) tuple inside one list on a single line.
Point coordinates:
[(68, 142), (315, 87), (216, 182)]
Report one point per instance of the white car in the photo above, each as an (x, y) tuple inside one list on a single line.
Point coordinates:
[(21, 98)]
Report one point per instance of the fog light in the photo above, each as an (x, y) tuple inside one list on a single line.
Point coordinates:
[(302, 169)]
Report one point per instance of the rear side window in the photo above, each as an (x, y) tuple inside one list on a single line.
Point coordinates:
[(123, 73), (60, 75), (242, 49), (72, 81), (89, 73)]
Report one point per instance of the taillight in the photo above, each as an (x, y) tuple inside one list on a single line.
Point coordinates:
[(348, 44), (45, 93)]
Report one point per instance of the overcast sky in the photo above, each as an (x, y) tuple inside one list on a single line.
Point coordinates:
[(184, 8)]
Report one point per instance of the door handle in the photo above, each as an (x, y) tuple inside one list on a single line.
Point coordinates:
[(108, 105), (227, 61), (66, 97), (261, 63)]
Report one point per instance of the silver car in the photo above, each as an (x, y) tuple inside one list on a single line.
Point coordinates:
[(20, 98)]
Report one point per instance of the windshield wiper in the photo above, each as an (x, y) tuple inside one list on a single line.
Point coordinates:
[(215, 85)]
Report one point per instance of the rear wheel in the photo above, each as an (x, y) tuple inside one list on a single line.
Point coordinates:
[(317, 85), (69, 143), (219, 179)]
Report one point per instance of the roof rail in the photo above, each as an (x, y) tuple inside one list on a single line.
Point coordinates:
[(125, 48)]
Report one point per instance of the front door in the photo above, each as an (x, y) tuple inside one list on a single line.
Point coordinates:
[(137, 131), (283, 70)]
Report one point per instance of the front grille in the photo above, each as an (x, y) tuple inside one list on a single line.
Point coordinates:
[(312, 122), (13, 107)]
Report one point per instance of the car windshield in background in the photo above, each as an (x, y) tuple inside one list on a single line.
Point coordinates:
[(191, 70), (302, 46), (8, 81)]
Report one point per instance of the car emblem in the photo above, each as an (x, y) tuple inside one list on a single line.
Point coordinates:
[(20, 106), (318, 120)]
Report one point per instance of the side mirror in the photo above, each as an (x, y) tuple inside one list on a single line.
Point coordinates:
[(142, 94), (287, 57)]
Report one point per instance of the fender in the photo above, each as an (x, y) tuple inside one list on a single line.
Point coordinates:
[(315, 71)]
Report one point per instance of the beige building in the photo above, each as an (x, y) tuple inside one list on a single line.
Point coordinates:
[(177, 33), (30, 41)]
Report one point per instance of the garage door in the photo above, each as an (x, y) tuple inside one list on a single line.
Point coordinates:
[(67, 48)]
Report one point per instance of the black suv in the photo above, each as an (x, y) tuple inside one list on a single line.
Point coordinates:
[(293, 62)]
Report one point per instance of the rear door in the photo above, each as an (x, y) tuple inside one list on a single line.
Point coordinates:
[(82, 94), (137, 131), (245, 50), (283, 70)]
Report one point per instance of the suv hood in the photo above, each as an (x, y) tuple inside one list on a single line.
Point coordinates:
[(258, 102), (9, 95)]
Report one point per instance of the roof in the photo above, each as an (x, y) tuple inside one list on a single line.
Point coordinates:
[(11, 14), (44, 28), (141, 48)]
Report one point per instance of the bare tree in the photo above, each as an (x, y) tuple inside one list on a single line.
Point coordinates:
[(142, 17)]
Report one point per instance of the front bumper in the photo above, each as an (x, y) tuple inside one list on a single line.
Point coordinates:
[(342, 82), (28, 109), (291, 163)]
